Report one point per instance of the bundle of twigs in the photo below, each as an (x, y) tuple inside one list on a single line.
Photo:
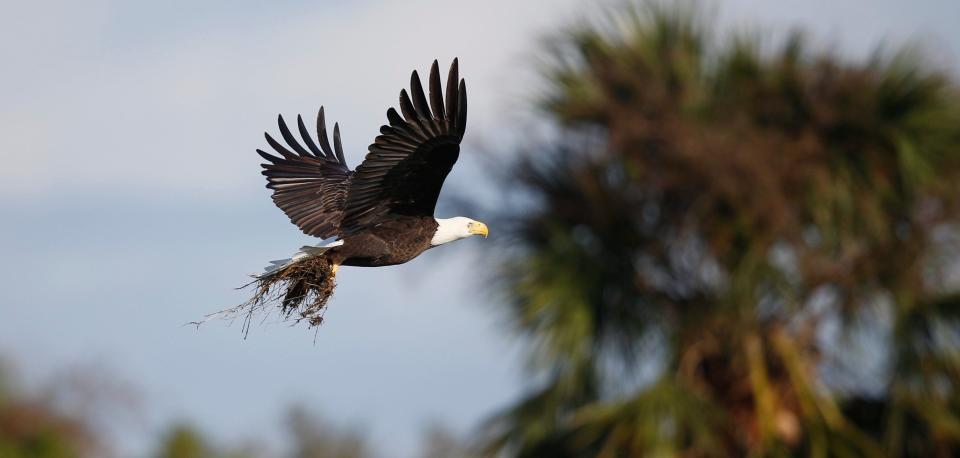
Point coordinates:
[(299, 291)]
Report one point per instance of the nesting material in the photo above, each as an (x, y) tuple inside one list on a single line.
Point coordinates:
[(304, 286), (299, 292)]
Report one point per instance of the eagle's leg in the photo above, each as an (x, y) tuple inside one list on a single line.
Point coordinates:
[(333, 271)]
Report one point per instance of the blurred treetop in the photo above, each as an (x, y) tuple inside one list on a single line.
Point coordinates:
[(737, 248)]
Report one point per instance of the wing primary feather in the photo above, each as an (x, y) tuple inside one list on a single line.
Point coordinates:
[(462, 109), (410, 114), (405, 129), (394, 118), (287, 154), (436, 94), (419, 99), (406, 107), (338, 147), (452, 79), (306, 137), (289, 138), (322, 134), (267, 156)]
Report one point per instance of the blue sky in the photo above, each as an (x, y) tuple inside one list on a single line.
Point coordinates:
[(131, 198)]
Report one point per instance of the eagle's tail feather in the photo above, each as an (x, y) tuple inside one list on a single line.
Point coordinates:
[(305, 252)]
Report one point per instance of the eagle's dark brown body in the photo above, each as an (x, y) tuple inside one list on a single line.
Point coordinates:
[(393, 241)]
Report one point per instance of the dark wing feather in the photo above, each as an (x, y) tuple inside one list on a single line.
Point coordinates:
[(436, 94), (310, 186), (306, 137), (406, 165)]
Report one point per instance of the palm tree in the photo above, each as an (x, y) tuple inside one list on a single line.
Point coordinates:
[(734, 249)]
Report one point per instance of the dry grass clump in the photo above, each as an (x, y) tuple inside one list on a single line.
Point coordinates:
[(300, 292)]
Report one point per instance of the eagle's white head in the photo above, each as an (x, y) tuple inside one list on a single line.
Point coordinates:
[(456, 228)]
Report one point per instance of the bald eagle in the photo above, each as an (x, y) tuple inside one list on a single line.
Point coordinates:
[(380, 214)]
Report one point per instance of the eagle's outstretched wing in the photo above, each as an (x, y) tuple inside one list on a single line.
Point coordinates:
[(406, 165), (310, 186)]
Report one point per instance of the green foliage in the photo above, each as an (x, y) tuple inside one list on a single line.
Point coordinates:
[(38, 427), (309, 437), (313, 437), (183, 441), (36, 430), (715, 205), (438, 442)]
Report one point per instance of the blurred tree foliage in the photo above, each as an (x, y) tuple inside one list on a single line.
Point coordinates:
[(440, 442), (33, 428), (309, 436), (34, 425), (184, 441), (314, 437), (735, 249)]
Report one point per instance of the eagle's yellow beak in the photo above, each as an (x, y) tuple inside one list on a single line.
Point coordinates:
[(478, 228)]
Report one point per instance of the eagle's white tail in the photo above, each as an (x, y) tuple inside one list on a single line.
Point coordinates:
[(305, 252)]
